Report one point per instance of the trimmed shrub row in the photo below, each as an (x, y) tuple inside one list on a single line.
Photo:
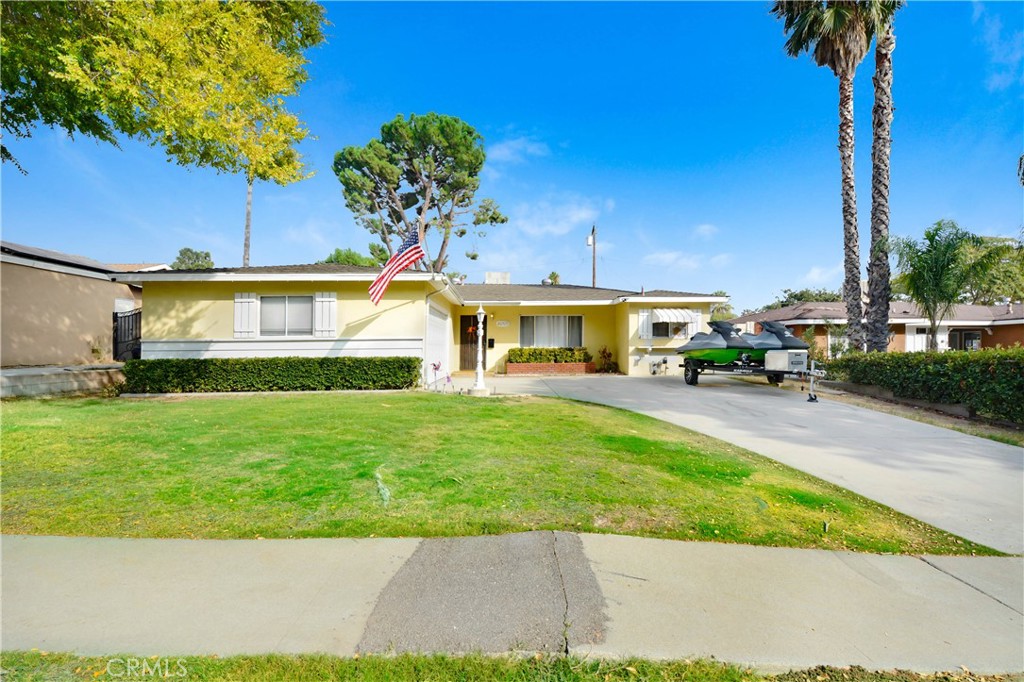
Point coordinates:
[(990, 381), (517, 355), (269, 374)]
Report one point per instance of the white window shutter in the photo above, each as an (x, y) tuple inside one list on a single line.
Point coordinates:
[(245, 316), (696, 323), (325, 315), (646, 324)]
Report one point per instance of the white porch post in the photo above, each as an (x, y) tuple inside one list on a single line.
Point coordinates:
[(479, 389)]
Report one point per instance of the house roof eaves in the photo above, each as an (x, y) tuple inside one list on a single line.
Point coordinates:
[(32, 253), (444, 286), (235, 276), (475, 301), (62, 268), (697, 298)]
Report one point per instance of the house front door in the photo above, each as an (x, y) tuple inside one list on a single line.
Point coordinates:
[(468, 341)]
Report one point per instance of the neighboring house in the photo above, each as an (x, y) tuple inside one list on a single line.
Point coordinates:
[(969, 327), (138, 267), (57, 308), (324, 310)]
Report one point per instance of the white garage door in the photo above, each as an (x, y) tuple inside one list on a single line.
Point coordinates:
[(438, 344)]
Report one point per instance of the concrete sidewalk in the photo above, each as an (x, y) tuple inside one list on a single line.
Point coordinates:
[(970, 486), (769, 608)]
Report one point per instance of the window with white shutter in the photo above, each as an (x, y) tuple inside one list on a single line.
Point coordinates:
[(245, 316), (325, 315), (646, 327), (286, 316)]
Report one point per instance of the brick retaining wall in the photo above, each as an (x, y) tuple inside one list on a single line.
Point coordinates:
[(519, 368)]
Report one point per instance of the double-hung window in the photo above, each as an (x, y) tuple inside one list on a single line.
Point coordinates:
[(286, 316), (551, 331)]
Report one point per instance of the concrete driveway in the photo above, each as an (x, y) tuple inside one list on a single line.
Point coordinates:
[(970, 486)]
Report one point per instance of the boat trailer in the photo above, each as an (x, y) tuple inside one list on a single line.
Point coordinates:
[(778, 365)]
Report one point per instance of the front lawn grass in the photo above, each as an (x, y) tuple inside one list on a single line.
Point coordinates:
[(413, 464), (37, 666)]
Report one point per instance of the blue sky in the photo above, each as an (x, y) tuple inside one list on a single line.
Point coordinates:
[(705, 156)]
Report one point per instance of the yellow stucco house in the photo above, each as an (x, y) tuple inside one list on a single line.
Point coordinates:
[(324, 310)]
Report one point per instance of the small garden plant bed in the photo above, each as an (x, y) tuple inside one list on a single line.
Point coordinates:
[(413, 464)]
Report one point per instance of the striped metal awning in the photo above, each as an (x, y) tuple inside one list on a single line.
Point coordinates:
[(684, 315)]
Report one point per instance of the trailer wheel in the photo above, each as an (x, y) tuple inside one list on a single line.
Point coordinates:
[(690, 373), (774, 379)]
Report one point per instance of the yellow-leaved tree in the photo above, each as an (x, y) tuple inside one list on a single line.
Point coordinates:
[(206, 80)]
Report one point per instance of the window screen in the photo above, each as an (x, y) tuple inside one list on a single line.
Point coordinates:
[(286, 316), (551, 331)]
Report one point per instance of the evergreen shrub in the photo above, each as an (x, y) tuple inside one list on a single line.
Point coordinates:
[(270, 374), (990, 381)]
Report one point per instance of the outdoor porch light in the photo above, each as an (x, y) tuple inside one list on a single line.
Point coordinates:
[(478, 387)]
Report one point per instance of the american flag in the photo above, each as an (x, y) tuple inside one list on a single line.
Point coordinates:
[(408, 253)]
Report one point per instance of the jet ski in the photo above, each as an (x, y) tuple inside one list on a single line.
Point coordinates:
[(784, 335), (723, 346)]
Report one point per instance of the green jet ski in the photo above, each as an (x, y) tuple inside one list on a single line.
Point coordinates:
[(724, 346)]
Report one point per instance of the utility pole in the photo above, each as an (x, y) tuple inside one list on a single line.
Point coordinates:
[(592, 242)]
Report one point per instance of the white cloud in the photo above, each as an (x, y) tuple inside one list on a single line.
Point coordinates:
[(672, 259), (823, 275), (705, 231), (555, 216), (609, 205), (516, 150), (1005, 51), (720, 260)]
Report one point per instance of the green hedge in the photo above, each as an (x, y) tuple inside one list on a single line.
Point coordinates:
[(269, 374), (990, 381), (517, 355)]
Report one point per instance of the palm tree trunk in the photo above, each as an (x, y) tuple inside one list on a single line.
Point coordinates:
[(933, 335), (248, 224), (879, 289), (851, 244)]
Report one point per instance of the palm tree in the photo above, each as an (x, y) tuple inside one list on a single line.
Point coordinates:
[(248, 220), (721, 311), (838, 35), (880, 22), (935, 271)]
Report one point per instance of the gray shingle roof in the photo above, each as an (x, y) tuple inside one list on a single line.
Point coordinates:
[(310, 269), (471, 293), (536, 292), (53, 257), (665, 293), (898, 310), (137, 267)]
